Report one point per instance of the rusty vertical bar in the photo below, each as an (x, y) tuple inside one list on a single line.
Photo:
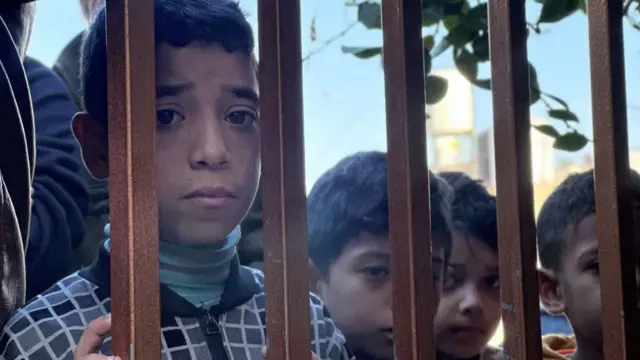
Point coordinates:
[(616, 248), (516, 225), (409, 222), (133, 203), (283, 186)]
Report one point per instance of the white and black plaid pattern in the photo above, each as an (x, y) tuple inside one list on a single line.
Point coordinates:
[(50, 326)]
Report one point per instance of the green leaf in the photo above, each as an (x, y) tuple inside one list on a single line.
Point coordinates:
[(451, 22), (572, 141), (435, 89), (534, 96), (482, 83), (369, 15), (428, 42), (455, 8), (480, 46), (558, 100), (582, 5), (442, 46), (534, 87), (476, 18), (460, 36), (362, 52), (548, 130), (426, 58), (533, 78), (556, 10), (431, 15), (466, 63), (563, 114)]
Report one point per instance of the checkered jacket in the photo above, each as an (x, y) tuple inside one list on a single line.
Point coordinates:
[(50, 326)]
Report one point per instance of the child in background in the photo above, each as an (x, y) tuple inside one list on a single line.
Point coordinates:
[(208, 150), (469, 310), (569, 280), (349, 249)]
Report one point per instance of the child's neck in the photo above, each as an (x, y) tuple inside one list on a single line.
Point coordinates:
[(198, 273)]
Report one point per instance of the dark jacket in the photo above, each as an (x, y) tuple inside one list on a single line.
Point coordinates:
[(60, 197), (50, 326)]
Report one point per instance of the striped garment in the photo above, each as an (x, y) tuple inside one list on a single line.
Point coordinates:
[(50, 326), (197, 272)]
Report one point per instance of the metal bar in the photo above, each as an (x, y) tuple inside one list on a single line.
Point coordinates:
[(283, 189), (132, 172), (409, 222), (516, 225), (616, 248)]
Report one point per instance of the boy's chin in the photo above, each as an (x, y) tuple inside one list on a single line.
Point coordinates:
[(195, 235)]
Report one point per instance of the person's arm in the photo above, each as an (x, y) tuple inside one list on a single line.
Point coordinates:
[(60, 197)]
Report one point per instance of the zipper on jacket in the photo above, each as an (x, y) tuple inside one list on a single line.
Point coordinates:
[(213, 336), (212, 325)]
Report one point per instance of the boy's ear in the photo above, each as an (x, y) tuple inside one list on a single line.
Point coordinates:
[(315, 279), (550, 292), (92, 136)]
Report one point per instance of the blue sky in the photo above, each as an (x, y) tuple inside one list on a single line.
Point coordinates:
[(344, 96)]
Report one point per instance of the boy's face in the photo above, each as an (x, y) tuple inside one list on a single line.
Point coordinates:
[(469, 310), (357, 292), (207, 142), (579, 281), (575, 289)]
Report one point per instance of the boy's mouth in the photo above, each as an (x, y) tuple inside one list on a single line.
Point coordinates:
[(211, 197), (467, 331)]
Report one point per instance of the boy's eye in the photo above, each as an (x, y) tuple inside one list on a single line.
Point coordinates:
[(242, 117), (168, 116), (492, 282), (453, 278), (378, 272)]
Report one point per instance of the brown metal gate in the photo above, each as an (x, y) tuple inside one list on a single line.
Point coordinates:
[(133, 206)]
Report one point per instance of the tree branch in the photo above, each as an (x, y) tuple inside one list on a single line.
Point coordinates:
[(329, 41)]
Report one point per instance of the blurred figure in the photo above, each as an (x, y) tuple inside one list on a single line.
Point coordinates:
[(16, 142), (59, 195), (67, 67)]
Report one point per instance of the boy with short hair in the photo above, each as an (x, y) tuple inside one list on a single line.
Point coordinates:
[(349, 248), (208, 150), (469, 310), (569, 280)]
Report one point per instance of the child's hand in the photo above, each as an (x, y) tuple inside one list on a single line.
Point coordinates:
[(264, 355), (89, 346)]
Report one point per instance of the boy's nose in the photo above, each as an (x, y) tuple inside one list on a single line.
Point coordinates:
[(209, 148), (471, 301)]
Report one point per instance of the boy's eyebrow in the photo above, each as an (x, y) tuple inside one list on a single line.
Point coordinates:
[(171, 90), (243, 92), (593, 252)]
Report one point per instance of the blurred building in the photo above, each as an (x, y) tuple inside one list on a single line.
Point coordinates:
[(542, 156), (450, 126)]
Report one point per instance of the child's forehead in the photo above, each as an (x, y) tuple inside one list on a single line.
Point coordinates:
[(198, 62), (365, 242)]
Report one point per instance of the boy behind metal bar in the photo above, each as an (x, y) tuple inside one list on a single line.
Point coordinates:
[(208, 150), (469, 310), (349, 248), (570, 275)]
